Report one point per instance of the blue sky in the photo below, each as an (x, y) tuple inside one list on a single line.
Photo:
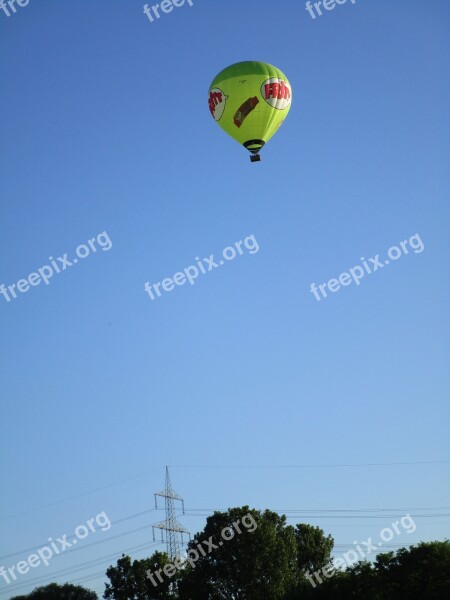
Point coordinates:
[(105, 127)]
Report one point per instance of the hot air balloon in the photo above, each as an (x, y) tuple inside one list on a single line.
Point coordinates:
[(250, 100)]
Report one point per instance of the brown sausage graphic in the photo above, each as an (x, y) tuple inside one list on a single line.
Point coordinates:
[(244, 110)]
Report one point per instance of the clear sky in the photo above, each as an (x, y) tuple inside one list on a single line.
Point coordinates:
[(105, 128)]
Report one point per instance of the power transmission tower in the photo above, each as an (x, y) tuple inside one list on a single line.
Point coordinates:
[(174, 530)]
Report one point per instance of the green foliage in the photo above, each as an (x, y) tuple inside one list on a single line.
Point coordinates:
[(121, 578), (313, 548), (130, 580), (269, 560), (253, 565), (421, 572), (59, 592)]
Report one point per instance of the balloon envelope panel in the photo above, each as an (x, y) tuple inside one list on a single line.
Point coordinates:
[(250, 100)]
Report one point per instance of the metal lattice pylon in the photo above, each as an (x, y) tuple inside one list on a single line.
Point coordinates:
[(174, 530)]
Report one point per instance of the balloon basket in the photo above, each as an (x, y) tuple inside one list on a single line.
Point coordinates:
[(255, 158)]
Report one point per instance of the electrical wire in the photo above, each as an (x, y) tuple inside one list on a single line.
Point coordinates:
[(317, 466), (91, 491), (80, 547)]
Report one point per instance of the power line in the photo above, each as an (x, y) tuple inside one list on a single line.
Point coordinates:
[(316, 466), (95, 576), (364, 516), (318, 517), (69, 570), (88, 545), (91, 491), (113, 523), (79, 580), (298, 513), (319, 514), (337, 548), (320, 510)]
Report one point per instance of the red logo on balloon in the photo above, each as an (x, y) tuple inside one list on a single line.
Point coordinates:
[(217, 103), (276, 92)]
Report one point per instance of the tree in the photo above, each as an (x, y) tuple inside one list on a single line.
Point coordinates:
[(131, 581), (121, 577), (313, 548), (55, 591), (421, 571), (259, 562)]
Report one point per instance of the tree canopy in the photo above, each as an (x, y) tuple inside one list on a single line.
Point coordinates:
[(55, 591), (248, 554)]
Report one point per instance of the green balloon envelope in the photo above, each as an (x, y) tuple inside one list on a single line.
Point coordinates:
[(250, 100)]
